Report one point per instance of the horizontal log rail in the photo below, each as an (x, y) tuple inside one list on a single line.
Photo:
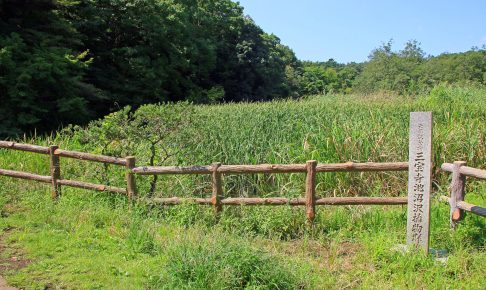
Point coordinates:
[(272, 168), (285, 201), (367, 166), (25, 175), (63, 153), (90, 157), (65, 182), (151, 170), (24, 147), (91, 186), (362, 200), (465, 170), (178, 200), (481, 211)]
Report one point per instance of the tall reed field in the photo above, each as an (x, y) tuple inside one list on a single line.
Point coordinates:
[(92, 240)]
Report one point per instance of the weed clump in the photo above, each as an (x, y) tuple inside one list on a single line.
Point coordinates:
[(221, 263)]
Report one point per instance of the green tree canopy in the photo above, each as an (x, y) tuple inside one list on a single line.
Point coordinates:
[(83, 59)]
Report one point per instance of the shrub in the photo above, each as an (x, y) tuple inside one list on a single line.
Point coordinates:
[(221, 263)]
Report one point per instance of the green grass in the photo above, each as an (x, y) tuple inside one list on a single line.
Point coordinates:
[(90, 240), (87, 242)]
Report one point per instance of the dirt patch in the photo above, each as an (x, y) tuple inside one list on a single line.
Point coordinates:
[(347, 251), (11, 258), (4, 286), (334, 256)]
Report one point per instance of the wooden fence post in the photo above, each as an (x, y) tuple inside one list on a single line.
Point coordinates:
[(457, 192), (130, 176), (310, 191), (55, 169), (217, 188)]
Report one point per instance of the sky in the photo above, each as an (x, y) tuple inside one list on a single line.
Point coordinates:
[(348, 30)]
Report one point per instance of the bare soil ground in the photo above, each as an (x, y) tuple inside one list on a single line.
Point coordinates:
[(11, 259)]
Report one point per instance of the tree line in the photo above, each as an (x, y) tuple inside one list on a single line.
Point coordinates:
[(407, 71), (68, 61)]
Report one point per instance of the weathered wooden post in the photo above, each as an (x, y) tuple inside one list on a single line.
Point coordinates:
[(457, 192), (217, 188), (310, 191), (419, 179), (130, 176), (55, 169)]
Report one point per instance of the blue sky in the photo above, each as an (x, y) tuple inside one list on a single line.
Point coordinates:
[(348, 30)]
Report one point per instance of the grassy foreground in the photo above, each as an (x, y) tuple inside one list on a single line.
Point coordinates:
[(93, 240)]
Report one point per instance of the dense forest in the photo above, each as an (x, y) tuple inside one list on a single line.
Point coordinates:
[(68, 61)]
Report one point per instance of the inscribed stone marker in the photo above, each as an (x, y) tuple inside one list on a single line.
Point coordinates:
[(419, 179)]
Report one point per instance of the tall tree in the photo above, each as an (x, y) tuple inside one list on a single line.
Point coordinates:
[(40, 76)]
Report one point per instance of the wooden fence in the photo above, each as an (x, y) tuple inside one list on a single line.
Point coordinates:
[(459, 172), (216, 170), (310, 169), (55, 178)]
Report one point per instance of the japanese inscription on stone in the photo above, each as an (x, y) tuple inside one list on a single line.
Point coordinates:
[(419, 179)]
